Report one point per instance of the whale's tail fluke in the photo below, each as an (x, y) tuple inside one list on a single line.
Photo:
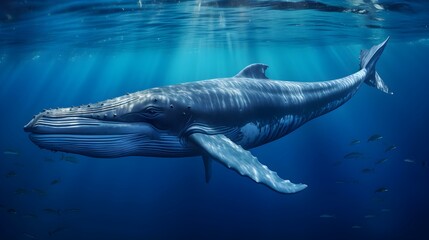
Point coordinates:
[(368, 60)]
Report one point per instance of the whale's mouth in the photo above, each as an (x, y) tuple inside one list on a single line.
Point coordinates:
[(84, 126), (91, 137), (106, 146)]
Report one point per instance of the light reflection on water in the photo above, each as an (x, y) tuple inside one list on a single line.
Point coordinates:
[(122, 25)]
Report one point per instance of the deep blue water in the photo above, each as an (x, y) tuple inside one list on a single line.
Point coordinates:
[(65, 53)]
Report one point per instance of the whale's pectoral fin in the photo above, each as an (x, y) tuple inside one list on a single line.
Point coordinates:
[(222, 149)]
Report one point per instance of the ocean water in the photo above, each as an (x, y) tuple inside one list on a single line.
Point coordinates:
[(68, 53)]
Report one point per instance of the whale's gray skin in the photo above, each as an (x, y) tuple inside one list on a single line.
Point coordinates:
[(218, 119)]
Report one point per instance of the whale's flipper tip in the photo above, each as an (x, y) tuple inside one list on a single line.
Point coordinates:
[(289, 187), (299, 187)]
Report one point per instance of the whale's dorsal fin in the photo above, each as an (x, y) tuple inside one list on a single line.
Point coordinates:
[(225, 151), (256, 70)]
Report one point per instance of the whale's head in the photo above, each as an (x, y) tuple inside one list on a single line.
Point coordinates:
[(145, 123)]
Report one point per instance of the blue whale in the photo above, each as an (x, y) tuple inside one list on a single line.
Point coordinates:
[(218, 119)]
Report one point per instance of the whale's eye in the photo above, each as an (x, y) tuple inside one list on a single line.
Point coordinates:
[(148, 113), (151, 112)]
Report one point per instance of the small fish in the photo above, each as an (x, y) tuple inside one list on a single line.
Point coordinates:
[(407, 160), (374, 138), (354, 141), (353, 155), (383, 160), (327, 216), (11, 174), (56, 230), (390, 148), (349, 182), (370, 216), (424, 163), (20, 191), (18, 164), (40, 192), (367, 170), (385, 210), (356, 227), (378, 199), (48, 159), (12, 211), (28, 235), (69, 159), (71, 210), (10, 152), (29, 215), (340, 181), (381, 190), (55, 181), (337, 163), (52, 211)]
